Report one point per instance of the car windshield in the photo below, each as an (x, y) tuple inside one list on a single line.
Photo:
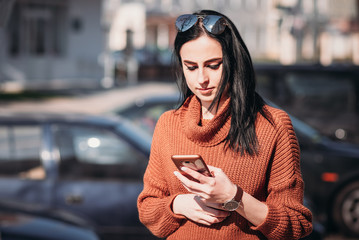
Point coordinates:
[(306, 130), (301, 127)]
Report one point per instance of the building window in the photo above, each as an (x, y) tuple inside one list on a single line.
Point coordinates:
[(37, 28)]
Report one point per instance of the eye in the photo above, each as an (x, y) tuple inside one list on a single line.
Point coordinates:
[(191, 68), (214, 66)]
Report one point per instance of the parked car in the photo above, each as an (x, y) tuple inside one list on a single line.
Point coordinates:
[(18, 225), (79, 169), (330, 169), (326, 97)]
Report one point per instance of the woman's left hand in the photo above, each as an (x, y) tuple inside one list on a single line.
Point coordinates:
[(214, 190)]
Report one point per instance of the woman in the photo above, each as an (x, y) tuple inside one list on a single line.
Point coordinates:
[(251, 149)]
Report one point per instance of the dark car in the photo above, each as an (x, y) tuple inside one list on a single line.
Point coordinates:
[(326, 97), (18, 225), (79, 169), (330, 169)]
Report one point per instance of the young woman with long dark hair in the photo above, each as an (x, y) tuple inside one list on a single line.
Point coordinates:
[(256, 191)]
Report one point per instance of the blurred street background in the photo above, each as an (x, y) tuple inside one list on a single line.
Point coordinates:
[(107, 57)]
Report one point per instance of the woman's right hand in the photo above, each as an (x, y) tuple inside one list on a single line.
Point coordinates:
[(194, 208)]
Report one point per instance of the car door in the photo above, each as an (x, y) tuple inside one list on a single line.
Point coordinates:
[(25, 176), (99, 177)]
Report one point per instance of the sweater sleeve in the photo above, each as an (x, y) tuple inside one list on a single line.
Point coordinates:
[(287, 217), (155, 202)]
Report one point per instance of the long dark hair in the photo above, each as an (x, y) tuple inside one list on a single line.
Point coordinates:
[(238, 74)]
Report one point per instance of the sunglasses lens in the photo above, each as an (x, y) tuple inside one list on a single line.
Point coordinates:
[(214, 24), (185, 22)]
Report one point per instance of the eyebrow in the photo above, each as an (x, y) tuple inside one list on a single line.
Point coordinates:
[(208, 61)]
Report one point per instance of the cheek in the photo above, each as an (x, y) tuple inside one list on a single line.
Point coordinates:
[(190, 78), (190, 83), (217, 76)]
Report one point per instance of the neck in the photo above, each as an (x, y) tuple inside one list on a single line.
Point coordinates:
[(210, 113), (203, 131)]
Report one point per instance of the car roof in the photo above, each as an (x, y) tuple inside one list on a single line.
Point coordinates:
[(147, 100), (303, 68), (30, 226), (41, 117)]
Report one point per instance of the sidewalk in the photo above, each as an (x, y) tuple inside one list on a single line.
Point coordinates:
[(94, 103)]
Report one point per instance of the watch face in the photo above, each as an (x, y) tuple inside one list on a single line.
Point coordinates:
[(231, 205)]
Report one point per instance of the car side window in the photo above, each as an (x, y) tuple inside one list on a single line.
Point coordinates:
[(88, 152), (20, 148)]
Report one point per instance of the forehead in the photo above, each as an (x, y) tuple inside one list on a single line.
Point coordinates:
[(201, 49)]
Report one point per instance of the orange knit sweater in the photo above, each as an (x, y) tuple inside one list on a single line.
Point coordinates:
[(273, 176)]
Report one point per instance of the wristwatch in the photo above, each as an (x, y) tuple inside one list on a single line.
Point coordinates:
[(234, 203)]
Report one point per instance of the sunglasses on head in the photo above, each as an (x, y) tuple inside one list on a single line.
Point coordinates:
[(212, 23)]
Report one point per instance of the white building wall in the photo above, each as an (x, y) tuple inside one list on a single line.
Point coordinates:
[(84, 46), (78, 63), (129, 16)]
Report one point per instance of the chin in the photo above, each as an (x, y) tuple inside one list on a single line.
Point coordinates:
[(206, 100)]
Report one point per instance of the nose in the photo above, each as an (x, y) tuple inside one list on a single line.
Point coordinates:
[(202, 76)]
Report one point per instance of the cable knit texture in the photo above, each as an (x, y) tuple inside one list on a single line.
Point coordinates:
[(273, 176)]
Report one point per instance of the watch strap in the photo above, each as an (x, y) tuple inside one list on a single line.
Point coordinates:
[(239, 195), (235, 202)]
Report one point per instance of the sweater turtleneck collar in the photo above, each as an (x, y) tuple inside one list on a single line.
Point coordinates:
[(213, 132)]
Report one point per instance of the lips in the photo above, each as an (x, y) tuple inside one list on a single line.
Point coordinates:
[(205, 91)]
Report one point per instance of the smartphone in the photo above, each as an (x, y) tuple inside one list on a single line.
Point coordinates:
[(194, 162)]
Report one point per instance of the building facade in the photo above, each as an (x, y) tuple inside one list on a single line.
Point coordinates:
[(50, 44), (83, 43)]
